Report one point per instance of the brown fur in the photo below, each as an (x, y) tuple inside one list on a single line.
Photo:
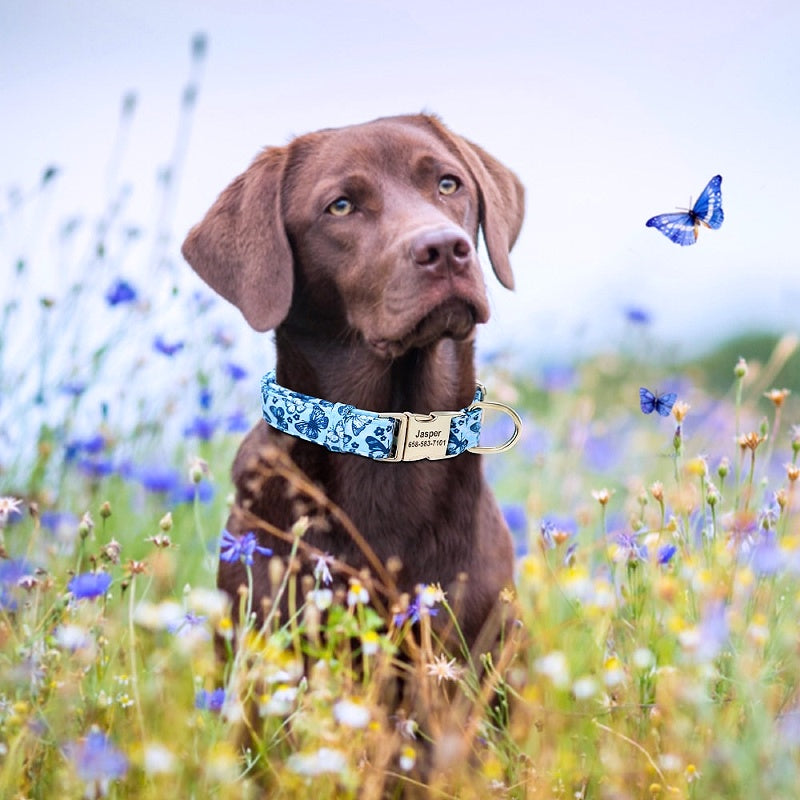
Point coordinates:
[(376, 308)]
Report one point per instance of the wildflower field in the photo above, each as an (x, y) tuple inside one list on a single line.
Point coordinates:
[(653, 648)]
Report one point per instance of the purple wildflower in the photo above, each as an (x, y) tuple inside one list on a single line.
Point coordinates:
[(769, 515), (73, 388), (235, 372), (96, 467), (629, 549), (210, 701), (205, 397), (188, 621), (159, 479), (766, 557), (91, 446), (89, 585), (97, 761), (637, 316), (120, 292), (189, 492), (714, 631), (413, 612), (322, 571), (241, 548), (665, 553), (11, 572), (58, 521), (201, 428), (515, 518), (165, 348), (546, 530), (556, 530), (237, 423)]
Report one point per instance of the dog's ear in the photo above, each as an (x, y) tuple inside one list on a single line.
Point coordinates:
[(240, 249), (502, 199)]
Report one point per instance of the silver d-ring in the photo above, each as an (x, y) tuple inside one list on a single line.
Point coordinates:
[(512, 440)]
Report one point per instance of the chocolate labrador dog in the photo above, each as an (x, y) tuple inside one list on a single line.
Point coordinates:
[(357, 245)]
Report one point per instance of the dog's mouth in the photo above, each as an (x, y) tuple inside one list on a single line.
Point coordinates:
[(453, 319)]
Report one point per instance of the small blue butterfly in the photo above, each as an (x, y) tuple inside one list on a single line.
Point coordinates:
[(682, 227), (314, 425), (662, 403)]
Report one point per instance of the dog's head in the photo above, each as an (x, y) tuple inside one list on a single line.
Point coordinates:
[(369, 229)]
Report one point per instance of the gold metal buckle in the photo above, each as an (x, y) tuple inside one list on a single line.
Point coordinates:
[(421, 436), (511, 441)]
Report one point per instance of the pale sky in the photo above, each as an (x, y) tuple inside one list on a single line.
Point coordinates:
[(609, 112)]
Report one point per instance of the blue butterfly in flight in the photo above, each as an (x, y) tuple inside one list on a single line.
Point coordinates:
[(682, 227), (662, 403)]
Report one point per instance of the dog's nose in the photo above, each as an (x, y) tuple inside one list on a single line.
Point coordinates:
[(442, 252)]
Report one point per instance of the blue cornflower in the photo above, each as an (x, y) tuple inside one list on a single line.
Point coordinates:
[(210, 701), (96, 467), (515, 518), (165, 348), (189, 492), (769, 515), (91, 446), (766, 557), (235, 372), (414, 611), (187, 621), (237, 423), (89, 585), (57, 521), (665, 553), (556, 530), (120, 292), (629, 549), (73, 388), (205, 397), (201, 428), (97, 761), (159, 479), (10, 573), (14, 569), (241, 548), (637, 316)]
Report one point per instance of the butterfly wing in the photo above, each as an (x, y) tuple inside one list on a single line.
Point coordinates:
[(663, 404), (708, 208), (317, 423), (679, 227), (647, 400)]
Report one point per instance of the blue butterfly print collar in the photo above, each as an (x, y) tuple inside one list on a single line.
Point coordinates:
[(682, 227), (391, 437)]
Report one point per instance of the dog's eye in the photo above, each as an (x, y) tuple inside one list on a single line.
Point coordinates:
[(448, 184), (340, 207)]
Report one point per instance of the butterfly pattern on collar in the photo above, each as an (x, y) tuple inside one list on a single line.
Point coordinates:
[(342, 428), (661, 403), (682, 227)]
